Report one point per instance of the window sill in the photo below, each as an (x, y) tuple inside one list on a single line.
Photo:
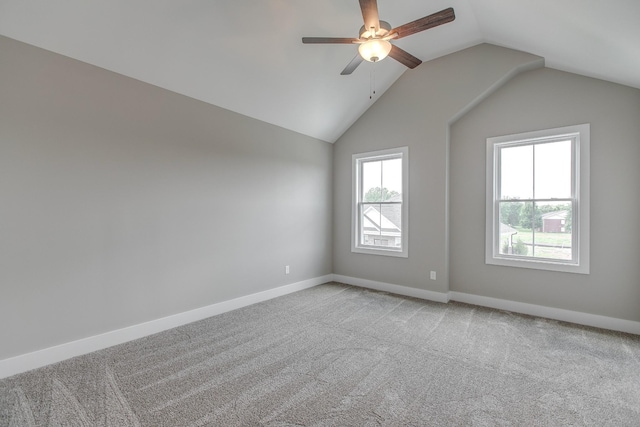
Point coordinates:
[(538, 265), (379, 251)]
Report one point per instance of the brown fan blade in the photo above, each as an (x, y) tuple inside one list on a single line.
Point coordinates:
[(433, 20), (350, 68), (370, 14), (404, 57), (333, 40)]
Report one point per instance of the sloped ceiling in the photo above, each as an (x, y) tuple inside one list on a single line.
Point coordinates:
[(247, 55)]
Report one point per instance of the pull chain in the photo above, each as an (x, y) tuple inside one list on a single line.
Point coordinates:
[(372, 81)]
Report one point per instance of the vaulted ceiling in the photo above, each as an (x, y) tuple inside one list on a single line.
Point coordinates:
[(247, 55)]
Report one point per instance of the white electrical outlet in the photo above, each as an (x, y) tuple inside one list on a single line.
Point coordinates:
[(433, 275), (286, 269)]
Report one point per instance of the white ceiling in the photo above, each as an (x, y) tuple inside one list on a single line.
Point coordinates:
[(247, 55)]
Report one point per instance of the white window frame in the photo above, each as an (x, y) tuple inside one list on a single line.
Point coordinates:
[(580, 137), (356, 199)]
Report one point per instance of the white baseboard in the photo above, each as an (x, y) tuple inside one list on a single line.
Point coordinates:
[(580, 318), (37, 359), (394, 289)]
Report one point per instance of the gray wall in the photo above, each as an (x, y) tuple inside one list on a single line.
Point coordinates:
[(121, 202), (416, 112), (544, 99)]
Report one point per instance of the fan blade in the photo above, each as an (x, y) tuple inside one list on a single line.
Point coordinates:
[(370, 14), (333, 40), (350, 68), (433, 20), (404, 57)]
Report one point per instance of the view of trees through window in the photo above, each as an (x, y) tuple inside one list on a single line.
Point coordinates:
[(549, 223), (536, 206), (378, 194)]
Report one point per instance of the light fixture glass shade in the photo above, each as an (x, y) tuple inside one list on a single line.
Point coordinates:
[(374, 50)]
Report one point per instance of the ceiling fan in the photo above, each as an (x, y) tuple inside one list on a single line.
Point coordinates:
[(375, 36)]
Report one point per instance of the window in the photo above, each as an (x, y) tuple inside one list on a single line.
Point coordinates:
[(538, 200), (379, 215)]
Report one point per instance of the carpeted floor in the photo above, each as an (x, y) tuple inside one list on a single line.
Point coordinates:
[(343, 356)]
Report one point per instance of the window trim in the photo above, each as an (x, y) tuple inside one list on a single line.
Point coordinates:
[(580, 134), (356, 190)]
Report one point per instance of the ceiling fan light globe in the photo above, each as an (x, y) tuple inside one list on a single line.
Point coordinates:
[(374, 50)]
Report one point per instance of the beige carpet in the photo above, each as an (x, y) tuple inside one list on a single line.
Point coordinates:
[(336, 355)]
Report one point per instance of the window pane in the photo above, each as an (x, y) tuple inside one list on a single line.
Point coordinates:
[(392, 179), (382, 180), (370, 223), (371, 181), (554, 231), (391, 217), (553, 170), (516, 172), (381, 224), (516, 237)]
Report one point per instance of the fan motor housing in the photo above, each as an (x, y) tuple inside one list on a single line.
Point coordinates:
[(385, 27)]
